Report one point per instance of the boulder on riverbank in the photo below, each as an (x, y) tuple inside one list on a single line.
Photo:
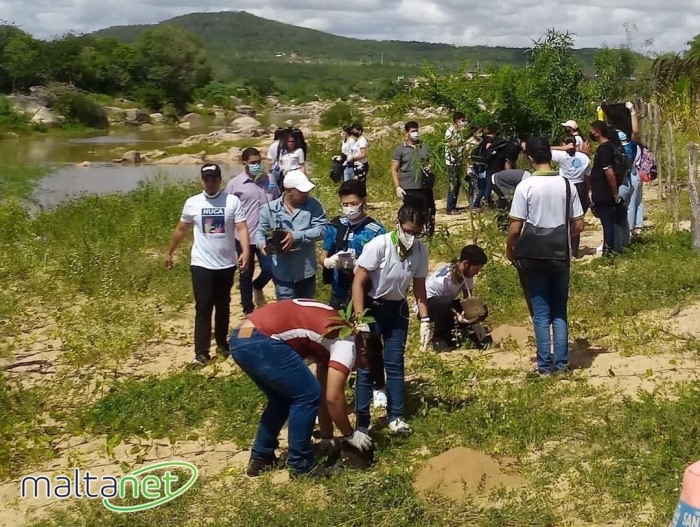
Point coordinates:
[(183, 159), (132, 156), (195, 120), (115, 114), (84, 164), (185, 126), (245, 125), (246, 110), (218, 137), (135, 115), (44, 116), (157, 118)]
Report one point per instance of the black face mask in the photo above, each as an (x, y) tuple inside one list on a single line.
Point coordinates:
[(355, 134)]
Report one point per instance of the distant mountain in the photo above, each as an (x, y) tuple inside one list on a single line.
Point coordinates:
[(232, 37)]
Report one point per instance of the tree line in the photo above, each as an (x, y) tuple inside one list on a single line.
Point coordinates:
[(164, 66)]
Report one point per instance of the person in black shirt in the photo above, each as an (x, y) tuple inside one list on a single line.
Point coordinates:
[(496, 154), (606, 203)]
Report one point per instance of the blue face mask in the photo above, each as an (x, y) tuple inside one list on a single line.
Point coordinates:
[(256, 169)]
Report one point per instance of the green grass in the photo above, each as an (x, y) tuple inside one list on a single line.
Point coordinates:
[(19, 181)]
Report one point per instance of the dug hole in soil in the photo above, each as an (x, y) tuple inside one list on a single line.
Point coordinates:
[(462, 473)]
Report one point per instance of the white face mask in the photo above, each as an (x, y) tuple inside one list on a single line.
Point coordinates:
[(352, 213), (406, 240), (414, 135)]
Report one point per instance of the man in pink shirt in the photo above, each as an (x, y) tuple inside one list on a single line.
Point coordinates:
[(255, 188)]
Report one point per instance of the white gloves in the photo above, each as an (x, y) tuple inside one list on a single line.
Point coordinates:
[(339, 261), (462, 320), (426, 333), (359, 440), (400, 193), (630, 107)]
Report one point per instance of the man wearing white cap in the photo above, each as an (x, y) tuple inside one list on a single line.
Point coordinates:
[(571, 128), (288, 230)]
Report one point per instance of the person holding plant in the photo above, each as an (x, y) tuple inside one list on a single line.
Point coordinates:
[(412, 176), (387, 267), (254, 187), (346, 237), (288, 230), (219, 220), (272, 346)]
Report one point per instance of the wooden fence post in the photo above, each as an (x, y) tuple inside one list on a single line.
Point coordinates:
[(657, 146), (694, 195), (672, 177)]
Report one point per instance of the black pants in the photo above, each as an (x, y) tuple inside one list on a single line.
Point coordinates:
[(441, 315), (246, 278), (585, 203), (424, 199), (212, 290)]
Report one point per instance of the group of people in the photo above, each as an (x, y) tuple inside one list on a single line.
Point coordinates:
[(270, 215)]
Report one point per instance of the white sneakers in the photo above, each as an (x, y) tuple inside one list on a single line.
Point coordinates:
[(259, 297), (400, 427), (380, 400)]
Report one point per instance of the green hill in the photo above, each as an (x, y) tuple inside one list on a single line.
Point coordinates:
[(235, 36)]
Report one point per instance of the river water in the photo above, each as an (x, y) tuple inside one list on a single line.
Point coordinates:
[(62, 155)]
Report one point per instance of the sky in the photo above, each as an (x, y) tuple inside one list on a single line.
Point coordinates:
[(512, 23)]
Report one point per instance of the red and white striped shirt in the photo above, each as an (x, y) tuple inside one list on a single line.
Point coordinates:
[(310, 328)]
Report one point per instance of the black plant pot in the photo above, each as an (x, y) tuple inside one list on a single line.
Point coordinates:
[(273, 240)]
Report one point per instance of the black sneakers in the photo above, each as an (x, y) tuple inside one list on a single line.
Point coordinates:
[(257, 466)]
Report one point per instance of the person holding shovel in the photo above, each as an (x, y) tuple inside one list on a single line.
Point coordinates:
[(272, 346)]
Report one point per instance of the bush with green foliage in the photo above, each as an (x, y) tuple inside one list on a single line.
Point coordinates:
[(80, 110), (338, 115)]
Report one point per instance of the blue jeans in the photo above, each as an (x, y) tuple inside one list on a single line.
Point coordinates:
[(484, 186), (304, 289), (625, 190), (549, 293), (613, 228), (247, 283), (348, 172), (392, 325), (292, 393), (635, 209), (453, 186)]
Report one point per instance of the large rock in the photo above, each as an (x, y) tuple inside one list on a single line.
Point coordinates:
[(44, 116), (245, 125), (184, 159), (148, 156), (246, 110), (196, 120), (138, 116), (24, 104), (157, 118), (185, 126), (132, 156), (115, 114), (220, 118), (272, 101)]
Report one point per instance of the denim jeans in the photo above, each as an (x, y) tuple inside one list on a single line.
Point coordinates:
[(348, 172), (625, 190), (392, 324), (212, 294), (613, 228), (303, 289), (453, 185), (484, 187), (247, 283), (549, 294), (292, 393), (635, 209)]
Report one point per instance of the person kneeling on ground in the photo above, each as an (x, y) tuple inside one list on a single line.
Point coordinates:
[(271, 346), (443, 288)]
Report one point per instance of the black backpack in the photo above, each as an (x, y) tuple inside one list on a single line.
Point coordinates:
[(336, 173), (622, 164)]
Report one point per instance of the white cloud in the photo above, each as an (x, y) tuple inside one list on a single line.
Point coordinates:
[(505, 23)]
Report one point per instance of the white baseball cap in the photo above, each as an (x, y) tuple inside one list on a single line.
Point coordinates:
[(296, 179), (570, 124)]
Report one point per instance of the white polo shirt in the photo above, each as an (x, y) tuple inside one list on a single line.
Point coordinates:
[(541, 201), (441, 283), (392, 276)]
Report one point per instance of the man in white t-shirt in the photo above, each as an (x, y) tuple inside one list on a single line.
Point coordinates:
[(443, 288), (541, 223), (217, 217)]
